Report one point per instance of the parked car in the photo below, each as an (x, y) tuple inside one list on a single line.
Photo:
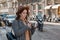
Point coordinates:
[(3, 15), (10, 18)]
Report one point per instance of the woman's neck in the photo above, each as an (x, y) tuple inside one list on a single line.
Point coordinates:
[(22, 19)]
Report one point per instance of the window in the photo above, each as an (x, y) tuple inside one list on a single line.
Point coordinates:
[(5, 5), (34, 7), (56, 1), (34, 13), (26, 1), (9, 4), (34, 0), (39, 0), (39, 6), (16, 4), (49, 2), (13, 5)]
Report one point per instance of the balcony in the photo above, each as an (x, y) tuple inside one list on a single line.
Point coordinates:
[(39, 0)]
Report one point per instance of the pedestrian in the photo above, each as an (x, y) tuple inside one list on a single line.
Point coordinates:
[(44, 17), (21, 26)]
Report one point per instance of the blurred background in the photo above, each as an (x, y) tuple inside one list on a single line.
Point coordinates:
[(44, 12)]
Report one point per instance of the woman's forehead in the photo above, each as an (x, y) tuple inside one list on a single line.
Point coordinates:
[(25, 11)]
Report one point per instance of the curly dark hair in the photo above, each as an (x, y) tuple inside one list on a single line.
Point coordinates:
[(20, 10)]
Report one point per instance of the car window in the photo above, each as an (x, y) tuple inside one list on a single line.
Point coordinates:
[(11, 16)]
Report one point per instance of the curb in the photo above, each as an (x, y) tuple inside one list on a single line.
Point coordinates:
[(50, 23)]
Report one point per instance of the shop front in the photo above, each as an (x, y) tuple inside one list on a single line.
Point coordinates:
[(56, 12), (48, 13)]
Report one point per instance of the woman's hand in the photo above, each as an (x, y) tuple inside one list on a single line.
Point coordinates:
[(29, 25)]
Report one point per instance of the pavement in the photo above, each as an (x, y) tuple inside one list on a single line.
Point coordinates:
[(51, 23), (51, 32)]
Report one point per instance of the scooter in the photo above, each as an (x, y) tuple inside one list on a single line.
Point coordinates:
[(40, 24)]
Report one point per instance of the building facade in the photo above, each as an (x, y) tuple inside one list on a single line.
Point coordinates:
[(51, 9), (36, 6), (8, 6)]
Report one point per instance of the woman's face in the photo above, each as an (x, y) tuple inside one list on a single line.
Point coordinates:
[(23, 14)]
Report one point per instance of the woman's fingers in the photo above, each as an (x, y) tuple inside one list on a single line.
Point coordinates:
[(29, 25)]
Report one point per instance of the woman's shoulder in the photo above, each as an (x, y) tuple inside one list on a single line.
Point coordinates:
[(16, 21)]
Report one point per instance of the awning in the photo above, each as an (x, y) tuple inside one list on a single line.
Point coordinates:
[(4, 10), (55, 6), (48, 7)]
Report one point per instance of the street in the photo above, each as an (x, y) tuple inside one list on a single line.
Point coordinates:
[(31, 13), (51, 32)]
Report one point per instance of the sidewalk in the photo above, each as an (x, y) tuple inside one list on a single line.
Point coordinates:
[(51, 23)]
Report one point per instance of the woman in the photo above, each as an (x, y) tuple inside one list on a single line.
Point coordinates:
[(20, 26)]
